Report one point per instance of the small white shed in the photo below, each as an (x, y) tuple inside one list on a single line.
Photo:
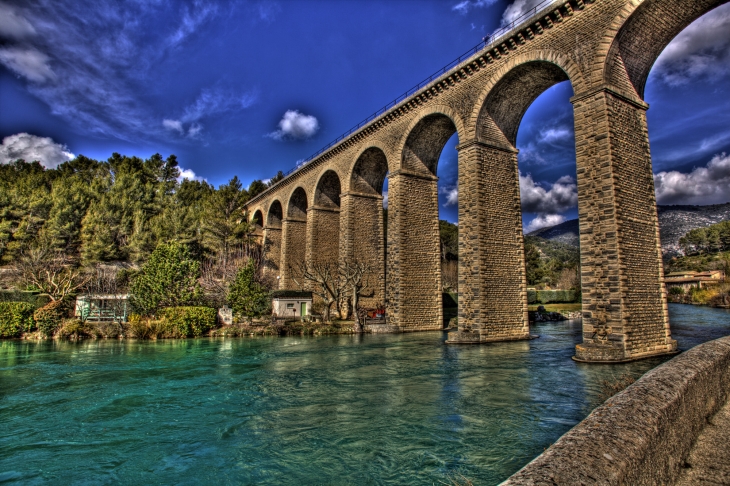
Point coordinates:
[(291, 303), (102, 307)]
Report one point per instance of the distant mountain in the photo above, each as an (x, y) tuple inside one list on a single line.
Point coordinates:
[(566, 232), (674, 222)]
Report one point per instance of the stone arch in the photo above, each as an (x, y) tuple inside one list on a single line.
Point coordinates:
[(639, 34), (425, 137), (369, 172), (329, 188), (275, 215), (298, 204), (510, 92), (258, 219)]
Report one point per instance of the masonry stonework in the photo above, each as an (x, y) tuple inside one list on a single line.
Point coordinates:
[(361, 226), (605, 48)]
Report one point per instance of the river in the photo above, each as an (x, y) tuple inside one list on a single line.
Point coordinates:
[(372, 409)]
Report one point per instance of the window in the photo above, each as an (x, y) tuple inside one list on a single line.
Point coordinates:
[(289, 306)]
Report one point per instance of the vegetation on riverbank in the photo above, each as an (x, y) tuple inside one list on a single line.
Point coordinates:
[(717, 295)]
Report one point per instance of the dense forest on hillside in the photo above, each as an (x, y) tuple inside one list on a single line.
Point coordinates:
[(116, 210)]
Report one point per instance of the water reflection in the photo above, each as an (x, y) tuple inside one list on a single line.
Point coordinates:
[(374, 409)]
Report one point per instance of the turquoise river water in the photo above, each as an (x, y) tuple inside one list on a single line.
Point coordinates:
[(372, 409)]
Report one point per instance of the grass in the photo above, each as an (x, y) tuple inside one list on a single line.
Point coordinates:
[(556, 307)]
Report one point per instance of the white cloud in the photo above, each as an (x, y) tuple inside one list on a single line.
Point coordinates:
[(704, 185), (295, 125), (175, 125), (31, 147), (211, 101), (192, 19), (194, 130), (385, 199), (13, 24), (189, 175), (516, 9), (702, 50), (555, 134), (27, 62), (464, 6), (563, 195), (543, 221), (268, 10), (547, 203), (452, 195)]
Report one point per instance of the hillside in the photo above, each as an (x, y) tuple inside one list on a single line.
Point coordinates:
[(566, 233), (674, 222)]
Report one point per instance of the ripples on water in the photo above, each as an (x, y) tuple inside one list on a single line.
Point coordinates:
[(374, 409)]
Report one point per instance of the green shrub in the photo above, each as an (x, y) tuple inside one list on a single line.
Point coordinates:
[(48, 318), (15, 318), (676, 291), (190, 321), (168, 279), (33, 298), (75, 329)]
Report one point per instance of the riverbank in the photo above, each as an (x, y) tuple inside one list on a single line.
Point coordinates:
[(554, 312), (75, 330)]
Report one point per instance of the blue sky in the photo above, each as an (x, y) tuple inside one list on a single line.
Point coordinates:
[(250, 88)]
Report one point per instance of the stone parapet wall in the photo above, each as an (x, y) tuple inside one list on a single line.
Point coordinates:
[(642, 435)]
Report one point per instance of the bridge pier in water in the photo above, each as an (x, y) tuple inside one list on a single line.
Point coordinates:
[(624, 300), (414, 275), (492, 285)]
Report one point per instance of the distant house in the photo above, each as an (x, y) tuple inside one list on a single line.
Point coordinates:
[(291, 303), (102, 307), (689, 279)]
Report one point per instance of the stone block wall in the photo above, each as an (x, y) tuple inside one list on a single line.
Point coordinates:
[(323, 235), (293, 252), (362, 241), (624, 309), (414, 283), (272, 250), (491, 248)]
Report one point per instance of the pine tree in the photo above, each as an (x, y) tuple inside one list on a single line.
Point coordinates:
[(247, 297), (168, 279)]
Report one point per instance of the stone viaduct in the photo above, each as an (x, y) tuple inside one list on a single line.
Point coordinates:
[(330, 208)]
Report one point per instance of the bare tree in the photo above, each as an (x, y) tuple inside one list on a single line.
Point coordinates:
[(51, 272), (103, 284), (354, 277), (449, 275), (218, 272), (327, 284), (568, 279)]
